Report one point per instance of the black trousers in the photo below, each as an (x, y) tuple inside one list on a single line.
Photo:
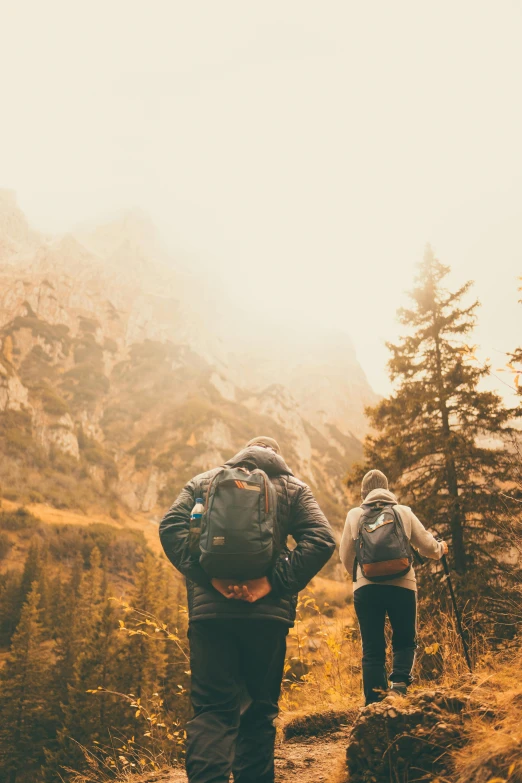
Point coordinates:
[(372, 603), (237, 667)]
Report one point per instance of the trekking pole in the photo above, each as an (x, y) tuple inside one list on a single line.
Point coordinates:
[(447, 578)]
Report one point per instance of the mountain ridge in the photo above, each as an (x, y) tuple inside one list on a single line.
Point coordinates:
[(118, 379)]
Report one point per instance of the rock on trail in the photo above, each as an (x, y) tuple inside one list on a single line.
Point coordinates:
[(408, 738)]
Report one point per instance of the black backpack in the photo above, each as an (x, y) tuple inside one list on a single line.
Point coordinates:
[(239, 536), (382, 548)]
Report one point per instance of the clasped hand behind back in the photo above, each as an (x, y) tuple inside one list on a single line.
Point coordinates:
[(250, 590)]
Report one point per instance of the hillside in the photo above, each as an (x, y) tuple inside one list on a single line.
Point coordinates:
[(116, 387)]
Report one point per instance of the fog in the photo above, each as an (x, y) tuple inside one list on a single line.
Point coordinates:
[(303, 151)]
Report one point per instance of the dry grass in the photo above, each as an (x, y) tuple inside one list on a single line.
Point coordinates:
[(324, 653), (495, 749)]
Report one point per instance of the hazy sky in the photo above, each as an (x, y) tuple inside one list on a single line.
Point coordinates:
[(306, 150)]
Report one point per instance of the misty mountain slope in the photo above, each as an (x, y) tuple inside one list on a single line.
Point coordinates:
[(116, 385)]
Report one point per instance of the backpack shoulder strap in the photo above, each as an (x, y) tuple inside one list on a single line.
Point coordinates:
[(396, 513), (195, 532), (416, 555), (365, 509), (210, 483)]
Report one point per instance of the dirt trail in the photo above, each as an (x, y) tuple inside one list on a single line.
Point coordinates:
[(311, 760), (307, 760)]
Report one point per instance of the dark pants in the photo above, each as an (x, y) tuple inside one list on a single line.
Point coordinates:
[(372, 603), (237, 668)]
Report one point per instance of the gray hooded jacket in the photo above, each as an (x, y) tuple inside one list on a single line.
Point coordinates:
[(421, 539)]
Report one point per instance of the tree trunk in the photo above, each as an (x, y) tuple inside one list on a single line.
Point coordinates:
[(457, 533), (455, 510)]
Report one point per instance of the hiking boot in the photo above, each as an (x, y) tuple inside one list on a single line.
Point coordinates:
[(398, 688)]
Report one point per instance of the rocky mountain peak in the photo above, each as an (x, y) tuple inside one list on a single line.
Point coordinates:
[(108, 360), (132, 230), (15, 233)]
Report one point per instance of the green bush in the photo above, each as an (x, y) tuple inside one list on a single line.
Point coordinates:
[(52, 403), (89, 324), (5, 544), (84, 384), (11, 494), (97, 456), (37, 368), (16, 432), (21, 519), (142, 459), (87, 349), (64, 463), (110, 345), (164, 462), (49, 332)]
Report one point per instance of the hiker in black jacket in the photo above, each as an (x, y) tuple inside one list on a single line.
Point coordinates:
[(237, 633)]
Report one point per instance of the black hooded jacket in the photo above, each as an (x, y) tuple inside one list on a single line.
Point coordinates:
[(298, 514)]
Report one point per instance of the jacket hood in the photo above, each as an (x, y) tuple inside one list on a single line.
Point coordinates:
[(265, 459), (380, 495)]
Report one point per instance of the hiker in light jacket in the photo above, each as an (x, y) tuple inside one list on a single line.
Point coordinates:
[(238, 637), (396, 598)]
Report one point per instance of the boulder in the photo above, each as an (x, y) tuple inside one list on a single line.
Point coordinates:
[(407, 738)]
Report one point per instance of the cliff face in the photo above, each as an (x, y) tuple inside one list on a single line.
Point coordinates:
[(115, 388)]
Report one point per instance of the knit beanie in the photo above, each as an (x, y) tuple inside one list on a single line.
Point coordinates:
[(374, 479), (262, 440)]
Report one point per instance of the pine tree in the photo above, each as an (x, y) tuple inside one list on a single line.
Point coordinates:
[(44, 589), (57, 604), (35, 571), (143, 658), (26, 723), (32, 569), (440, 438), (86, 660), (176, 681), (88, 716), (9, 605), (515, 366), (69, 625)]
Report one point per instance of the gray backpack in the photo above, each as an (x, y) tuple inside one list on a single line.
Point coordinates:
[(382, 548), (239, 536)]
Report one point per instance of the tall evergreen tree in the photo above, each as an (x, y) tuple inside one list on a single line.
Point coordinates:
[(70, 623), (176, 681), (57, 604), (25, 720), (143, 658), (32, 569), (515, 365), (86, 660), (440, 437), (9, 605)]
